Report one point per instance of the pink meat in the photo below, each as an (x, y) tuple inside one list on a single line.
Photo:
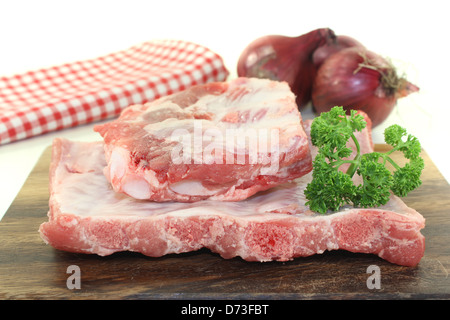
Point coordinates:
[(87, 216), (220, 141)]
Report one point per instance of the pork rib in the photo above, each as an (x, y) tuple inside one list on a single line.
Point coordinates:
[(271, 225), (220, 141)]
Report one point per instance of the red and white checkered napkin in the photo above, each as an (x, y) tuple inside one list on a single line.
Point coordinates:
[(82, 92)]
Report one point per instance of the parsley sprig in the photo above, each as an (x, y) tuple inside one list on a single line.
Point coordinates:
[(332, 188)]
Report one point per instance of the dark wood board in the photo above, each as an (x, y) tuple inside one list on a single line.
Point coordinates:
[(30, 269)]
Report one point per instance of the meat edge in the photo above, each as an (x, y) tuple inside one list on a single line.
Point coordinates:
[(276, 237)]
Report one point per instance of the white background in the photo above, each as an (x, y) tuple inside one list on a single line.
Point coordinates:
[(38, 34)]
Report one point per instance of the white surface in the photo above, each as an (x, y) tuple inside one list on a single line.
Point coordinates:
[(37, 34)]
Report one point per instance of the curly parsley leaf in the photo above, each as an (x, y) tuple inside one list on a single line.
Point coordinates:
[(331, 188), (332, 130), (377, 182)]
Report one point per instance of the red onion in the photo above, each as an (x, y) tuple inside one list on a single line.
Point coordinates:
[(356, 78), (333, 45), (284, 58)]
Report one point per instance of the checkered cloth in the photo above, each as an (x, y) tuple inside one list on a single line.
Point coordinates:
[(82, 92)]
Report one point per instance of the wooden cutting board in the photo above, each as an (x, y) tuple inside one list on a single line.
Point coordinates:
[(30, 269)]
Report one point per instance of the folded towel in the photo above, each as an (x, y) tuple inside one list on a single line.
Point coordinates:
[(77, 93)]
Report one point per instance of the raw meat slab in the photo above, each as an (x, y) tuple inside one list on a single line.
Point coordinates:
[(220, 141), (87, 216)]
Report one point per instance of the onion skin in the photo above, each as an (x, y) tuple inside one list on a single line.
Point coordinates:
[(285, 58), (333, 45), (356, 78)]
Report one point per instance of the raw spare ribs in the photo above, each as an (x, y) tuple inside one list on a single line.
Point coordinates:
[(87, 216), (219, 141)]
